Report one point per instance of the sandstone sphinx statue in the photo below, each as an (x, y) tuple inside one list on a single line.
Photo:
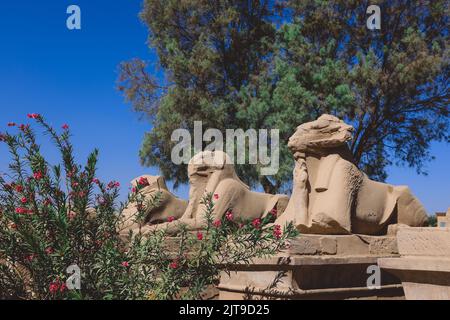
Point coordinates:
[(167, 206), (212, 172), (332, 196)]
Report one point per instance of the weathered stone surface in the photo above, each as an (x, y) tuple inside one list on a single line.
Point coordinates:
[(306, 246), (329, 245), (213, 172), (383, 245), (424, 265), (350, 245), (330, 195), (314, 267), (167, 206), (424, 241)]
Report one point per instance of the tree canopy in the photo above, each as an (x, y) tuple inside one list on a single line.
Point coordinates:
[(266, 64)]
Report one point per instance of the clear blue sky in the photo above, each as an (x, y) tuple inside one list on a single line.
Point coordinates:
[(69, 76)]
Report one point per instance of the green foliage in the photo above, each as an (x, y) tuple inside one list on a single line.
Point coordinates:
[(432, 221), (266, 64), (56, 216)]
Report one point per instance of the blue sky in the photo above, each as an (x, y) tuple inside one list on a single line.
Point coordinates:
[(69, 76)]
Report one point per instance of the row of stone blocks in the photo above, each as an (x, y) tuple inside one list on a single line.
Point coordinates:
[(412, 263)]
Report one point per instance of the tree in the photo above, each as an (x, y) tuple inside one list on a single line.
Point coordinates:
[(260, 64)]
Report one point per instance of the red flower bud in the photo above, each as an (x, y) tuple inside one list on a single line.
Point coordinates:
[(33, 115), (256, 223), (21, 210), (24, 128), (277, 231), (38, 175), (143, 182)]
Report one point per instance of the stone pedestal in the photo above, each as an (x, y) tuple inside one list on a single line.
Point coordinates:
[(316, 267), (424, 265)]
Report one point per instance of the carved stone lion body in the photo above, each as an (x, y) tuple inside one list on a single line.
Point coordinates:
[(168, 205), (212, 172), (332, 196)]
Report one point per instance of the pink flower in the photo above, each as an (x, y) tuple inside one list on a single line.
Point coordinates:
[(229, 216), (256, 223), (216, 196), (95, 181), (56, 286), (21, 210), (173, 264), (113, 184), (24, 128), (11, 124), (277, 231), (38, 175), (65, 126), (24, 200), (2, 137), (133, 190), (125, 264), (75, 184), (217, 223), (171, 219), (49, 250), (274, 212), (62, 287), (199, 235), (33, 115), (30, 257), (19, 188), (53, 287), (143, 182)]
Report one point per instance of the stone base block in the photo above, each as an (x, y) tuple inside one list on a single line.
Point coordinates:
[(424, 265), (316, 267)]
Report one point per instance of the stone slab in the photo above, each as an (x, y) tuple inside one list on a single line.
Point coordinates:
[(316, 267), (424, 264), (343, 245), (416, 264), (424, 241)]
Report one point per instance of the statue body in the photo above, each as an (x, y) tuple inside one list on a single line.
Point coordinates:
[(212, 172), (332, 196), (168, 206)]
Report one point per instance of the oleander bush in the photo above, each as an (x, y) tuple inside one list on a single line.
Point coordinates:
[(59, 219)]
